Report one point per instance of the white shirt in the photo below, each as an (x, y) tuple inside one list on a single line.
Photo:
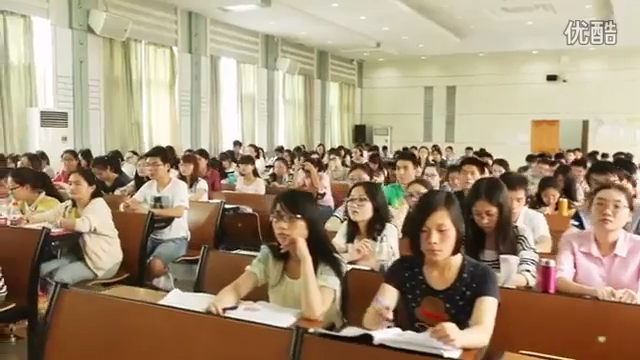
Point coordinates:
[(257, 187), (200, 185), (129, 169), (175, 194), (535, 222), (388, 240), (261, 165)]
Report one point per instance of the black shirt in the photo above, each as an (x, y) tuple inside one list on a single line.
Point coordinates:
[(120, 181), (421, 306)]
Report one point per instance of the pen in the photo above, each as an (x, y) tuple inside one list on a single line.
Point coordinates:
[(229, 308)]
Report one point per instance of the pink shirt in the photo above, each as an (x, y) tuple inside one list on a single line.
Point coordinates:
[(579, 260), (327, 200)]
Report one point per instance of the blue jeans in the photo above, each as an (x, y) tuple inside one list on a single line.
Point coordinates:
[(167, 250), (325, 212), (70, 269)]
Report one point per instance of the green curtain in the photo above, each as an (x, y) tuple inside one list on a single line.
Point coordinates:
[(18, 87), (122, 82)]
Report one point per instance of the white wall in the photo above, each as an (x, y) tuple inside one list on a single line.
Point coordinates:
[(498, 95)]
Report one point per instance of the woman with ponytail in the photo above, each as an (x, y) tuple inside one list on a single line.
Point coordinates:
[(33, 191)]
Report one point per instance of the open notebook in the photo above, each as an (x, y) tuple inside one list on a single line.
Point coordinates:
[(396, 338), (258, 312)]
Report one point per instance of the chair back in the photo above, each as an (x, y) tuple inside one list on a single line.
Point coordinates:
[(362, 287), (204, 223), (114, 201), (133, 230), (220, 268)]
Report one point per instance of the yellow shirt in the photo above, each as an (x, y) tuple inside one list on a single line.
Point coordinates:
[(42, 203)]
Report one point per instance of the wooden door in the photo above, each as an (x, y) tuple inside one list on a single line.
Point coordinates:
[(545, 136)]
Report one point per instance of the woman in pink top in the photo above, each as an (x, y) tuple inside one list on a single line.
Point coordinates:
[(603, 261), (317, 181)]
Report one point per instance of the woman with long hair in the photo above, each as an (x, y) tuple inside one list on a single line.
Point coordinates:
[(490, 232), (440, 290), (33, 190), (249, 180), (209, 174), (139, 179), (108, 171), (280, 175), (198, 188), (98, 254), (367, 237), (301, 269)]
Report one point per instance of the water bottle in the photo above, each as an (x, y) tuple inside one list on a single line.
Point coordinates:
[(381, 253), (4, 210), (547, 276)]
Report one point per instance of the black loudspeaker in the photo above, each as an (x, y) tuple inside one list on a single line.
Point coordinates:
[(360, 134), (552, 77)]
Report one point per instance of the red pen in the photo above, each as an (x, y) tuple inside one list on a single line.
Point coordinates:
[(431, 315)]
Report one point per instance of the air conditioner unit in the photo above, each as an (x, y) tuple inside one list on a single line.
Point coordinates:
[(287, 66), (109, 25), (382, 136), (50, 131)]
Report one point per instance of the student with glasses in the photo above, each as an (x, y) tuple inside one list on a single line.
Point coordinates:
[(302, 270), (167, 198), (604, 260), (416, 189), (357, 173), (367, 237), (33, 190)]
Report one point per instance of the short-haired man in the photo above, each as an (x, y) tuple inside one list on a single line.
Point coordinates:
[(517, 184)]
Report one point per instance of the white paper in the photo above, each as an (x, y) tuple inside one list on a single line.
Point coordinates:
[(245, 252), (264, 313), (508, 268), (396, 338), (260, 312), (188, 300)]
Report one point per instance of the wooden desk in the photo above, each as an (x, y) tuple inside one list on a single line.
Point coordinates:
[(153, 296)]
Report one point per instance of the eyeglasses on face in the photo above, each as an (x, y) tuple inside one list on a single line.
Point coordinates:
[(357, 201), (280, 216)]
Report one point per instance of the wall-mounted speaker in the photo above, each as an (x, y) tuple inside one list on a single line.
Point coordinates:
[(360, 134)]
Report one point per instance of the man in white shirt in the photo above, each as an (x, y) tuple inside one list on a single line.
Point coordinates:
[(168, 199), (517, 185)]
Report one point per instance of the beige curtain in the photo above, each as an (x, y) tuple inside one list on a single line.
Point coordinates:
[(160, 115), (18, 87), (294, 110), (332, 136), (347, 112), (215, 144), (248, 98), (308, 111), (122, 84)]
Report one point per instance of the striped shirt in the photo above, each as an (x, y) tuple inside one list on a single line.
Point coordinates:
[(525, 250)]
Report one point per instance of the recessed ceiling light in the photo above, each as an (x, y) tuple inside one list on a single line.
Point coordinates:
[(423, 57), (335, 5), (303, 33), (329, 42), (271, 23), (381, 59), (592, 48), (529, 22), (534, 52), (405, 37), (421, 45), (588, 6), (481, 54), (366, 54), (385, 29), (363, 18)]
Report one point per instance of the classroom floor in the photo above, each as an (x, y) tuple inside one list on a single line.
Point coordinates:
[(185, 276)]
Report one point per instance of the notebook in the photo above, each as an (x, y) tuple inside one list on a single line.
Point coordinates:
[(258, 312), (396, 338)]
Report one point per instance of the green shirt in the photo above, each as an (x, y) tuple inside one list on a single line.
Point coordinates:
[(394, 193)]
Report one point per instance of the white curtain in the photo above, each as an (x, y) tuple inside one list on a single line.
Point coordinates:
[(347, 112), (18, 87), (248, 97), (332, 135), (160, 116), (229, 102), (215, 142), (295, 110), (122, 82)]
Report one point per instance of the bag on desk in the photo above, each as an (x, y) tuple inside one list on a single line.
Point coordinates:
[(396, 338)]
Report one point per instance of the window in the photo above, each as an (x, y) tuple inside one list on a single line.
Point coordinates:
[(281, 121), (229, 102), (43, 53), (332, 132)]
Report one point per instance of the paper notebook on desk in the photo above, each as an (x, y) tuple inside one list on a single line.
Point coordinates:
[(396, 338), (260, 312)]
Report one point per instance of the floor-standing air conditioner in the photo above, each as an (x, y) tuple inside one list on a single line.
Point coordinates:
[(50, 131), (382, 136)]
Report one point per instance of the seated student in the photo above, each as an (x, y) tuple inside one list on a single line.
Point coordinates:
[(490, 232), (568, 186), (431, 174), (313, 178), (357, 173), (442, 291), (279, 176), (367, 237), (416, 189), (167, 198), (335, 170), (209, 174), (599, 174), (139, 178), (5, 193), (99, 254), (471, 170), (406, 170), (228, 161), (547, 197), (603, 261), (452, 177), (249, 180), (517, 185), (198, 188), (33, 190), (109, 173), (70, 163), (302, 269)]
